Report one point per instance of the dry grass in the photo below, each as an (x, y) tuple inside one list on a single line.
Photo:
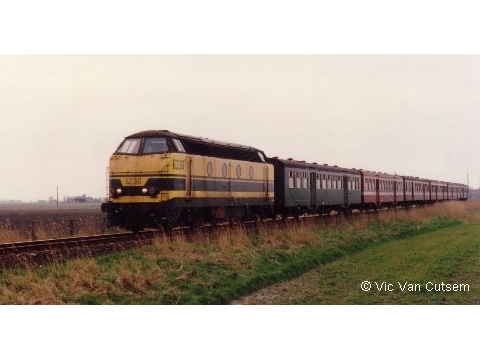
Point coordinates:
[(224, 245)]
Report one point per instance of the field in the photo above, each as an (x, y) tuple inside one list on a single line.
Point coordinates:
[(31, 221), (325, 264)]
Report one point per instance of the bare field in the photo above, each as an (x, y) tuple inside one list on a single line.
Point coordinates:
[(33, 221)]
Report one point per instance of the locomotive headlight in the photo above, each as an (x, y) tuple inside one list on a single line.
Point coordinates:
[(119, 191), (144, 191)]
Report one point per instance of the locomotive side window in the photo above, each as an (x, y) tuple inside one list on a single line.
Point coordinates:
[(260, 155), (155, 145), (178, 145)]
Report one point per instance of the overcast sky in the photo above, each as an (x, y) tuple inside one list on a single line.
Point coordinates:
[(63, 116)]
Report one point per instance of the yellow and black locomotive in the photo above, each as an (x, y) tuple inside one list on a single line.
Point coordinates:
[(162, 179)]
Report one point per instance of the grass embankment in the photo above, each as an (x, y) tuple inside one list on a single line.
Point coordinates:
[(215, 269), (403, 272)]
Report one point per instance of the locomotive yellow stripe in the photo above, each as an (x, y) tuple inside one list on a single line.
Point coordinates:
[(195, 195)]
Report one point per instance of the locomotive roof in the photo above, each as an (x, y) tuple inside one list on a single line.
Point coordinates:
[(154, 133), (305, 165)]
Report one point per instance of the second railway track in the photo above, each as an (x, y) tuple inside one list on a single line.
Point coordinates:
[(38, 252)]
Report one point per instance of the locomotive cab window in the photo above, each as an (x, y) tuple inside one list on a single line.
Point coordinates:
[(155, 146)]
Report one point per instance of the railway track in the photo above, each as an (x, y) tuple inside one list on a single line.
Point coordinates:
[(38, 252)]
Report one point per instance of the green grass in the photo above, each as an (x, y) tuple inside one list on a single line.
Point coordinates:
[(212, 272), (448, 255)]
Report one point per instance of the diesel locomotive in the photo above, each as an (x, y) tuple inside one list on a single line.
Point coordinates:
[(162, 179)]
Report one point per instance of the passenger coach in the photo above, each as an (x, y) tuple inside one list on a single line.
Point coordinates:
[(302, 187)]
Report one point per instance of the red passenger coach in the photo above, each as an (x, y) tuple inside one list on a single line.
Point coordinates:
[(436, 190), (380, 189), (417, 191)]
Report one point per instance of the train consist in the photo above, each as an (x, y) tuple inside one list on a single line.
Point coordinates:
[(162, 179)]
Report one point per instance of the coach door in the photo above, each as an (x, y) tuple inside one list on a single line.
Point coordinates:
[(395, 191), (346, 191), (377, 191), (313, 190)]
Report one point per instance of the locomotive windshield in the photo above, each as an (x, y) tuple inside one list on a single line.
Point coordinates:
[(151, 145)]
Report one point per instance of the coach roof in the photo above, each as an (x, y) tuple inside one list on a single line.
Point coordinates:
[(313, 166)]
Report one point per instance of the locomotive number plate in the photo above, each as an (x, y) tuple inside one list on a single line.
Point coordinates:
[(132, 181)]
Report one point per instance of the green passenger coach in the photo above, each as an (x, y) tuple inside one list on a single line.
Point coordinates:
[(302, 187)]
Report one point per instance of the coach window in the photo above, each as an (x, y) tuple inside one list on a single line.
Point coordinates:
[(317, 183), (290, 180), (305, 180), (298, 181)]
